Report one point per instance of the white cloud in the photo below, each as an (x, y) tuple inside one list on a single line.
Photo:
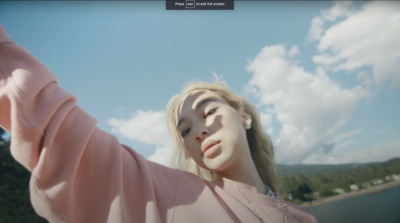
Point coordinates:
[(148, 127), (266, 119), (293, 51), (365, 38), (340, 9), (365, 78), (341, 137), (376, 153), (162, 155), (311, 107), (316, 30)]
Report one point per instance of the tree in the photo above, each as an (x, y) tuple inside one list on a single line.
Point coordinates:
[(15, 204)]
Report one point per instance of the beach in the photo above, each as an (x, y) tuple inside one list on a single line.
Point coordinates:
[(373, 189)]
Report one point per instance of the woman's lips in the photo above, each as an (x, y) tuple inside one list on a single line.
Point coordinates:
[(210, 148)]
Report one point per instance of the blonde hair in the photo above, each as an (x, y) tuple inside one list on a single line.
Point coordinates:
[(261, 148)]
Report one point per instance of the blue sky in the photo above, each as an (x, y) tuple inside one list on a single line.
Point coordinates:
[(324, 75)]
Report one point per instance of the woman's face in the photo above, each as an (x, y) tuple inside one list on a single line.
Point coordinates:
[(213, 133)]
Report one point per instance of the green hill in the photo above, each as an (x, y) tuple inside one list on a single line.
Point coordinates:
[(300, 183), (308, 170)]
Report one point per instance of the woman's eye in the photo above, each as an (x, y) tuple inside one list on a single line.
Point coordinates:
[(212, 111), (184, 133)]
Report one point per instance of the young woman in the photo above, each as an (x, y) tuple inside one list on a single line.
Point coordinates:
[(82, 174)]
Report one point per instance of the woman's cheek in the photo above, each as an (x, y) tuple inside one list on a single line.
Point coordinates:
[(189, 148)]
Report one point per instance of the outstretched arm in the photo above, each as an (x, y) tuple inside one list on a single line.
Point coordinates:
[(79, 173)]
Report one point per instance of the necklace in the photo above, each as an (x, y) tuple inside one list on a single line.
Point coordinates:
[(250, 205), (269, 192), (282, 205)]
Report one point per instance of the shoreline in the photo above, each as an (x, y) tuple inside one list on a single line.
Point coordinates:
[(370, 190)]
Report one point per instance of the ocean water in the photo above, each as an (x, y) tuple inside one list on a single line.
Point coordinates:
[(382, 207)]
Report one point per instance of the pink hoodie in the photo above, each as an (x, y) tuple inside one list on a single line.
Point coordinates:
[(83, 174)]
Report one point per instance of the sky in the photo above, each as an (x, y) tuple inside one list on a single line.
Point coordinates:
[(324, 75)]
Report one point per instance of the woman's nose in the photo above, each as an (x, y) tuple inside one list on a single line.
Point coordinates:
[(201, 133)]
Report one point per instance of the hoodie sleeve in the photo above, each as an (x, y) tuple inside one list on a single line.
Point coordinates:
[(79, 172)]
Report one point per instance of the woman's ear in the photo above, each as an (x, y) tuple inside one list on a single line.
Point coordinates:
[(246, 120)]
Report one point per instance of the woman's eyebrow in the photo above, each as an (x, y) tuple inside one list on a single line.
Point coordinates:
[(203, 102), (198, 106)]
